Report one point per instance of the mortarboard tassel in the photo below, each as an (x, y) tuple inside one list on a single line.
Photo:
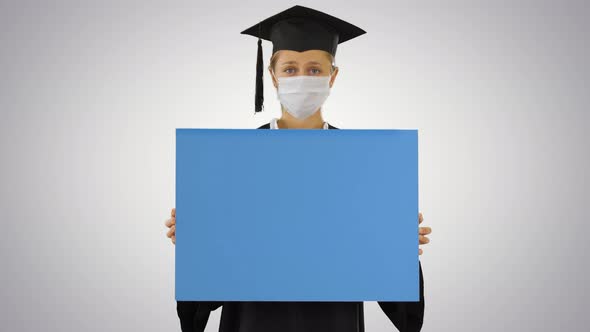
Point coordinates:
[(259, 96)]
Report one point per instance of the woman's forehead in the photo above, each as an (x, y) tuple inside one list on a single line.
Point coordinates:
[(310, 56)]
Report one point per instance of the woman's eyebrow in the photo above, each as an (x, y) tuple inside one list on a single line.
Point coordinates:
[(295, 62)]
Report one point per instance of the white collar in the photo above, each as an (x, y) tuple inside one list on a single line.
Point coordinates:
[(274, 125)]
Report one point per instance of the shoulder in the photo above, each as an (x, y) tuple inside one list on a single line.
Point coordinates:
[(267, 126), (331, 127)]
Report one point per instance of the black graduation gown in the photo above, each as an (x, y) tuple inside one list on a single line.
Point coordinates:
[(297, 316)]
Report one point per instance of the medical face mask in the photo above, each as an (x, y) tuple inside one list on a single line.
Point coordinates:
[(303, 95)]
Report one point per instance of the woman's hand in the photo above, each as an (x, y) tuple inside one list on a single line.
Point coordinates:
[(171, 223), (421, 232)]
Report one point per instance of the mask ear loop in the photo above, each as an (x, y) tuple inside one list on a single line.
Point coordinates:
[(274, 76), (332, 73)]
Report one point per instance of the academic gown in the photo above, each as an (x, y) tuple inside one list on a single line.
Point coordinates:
[(275, 316)]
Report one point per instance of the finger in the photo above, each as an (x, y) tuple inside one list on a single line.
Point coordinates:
[(174, 239), (170, 222), (419, 251), (423, 239), (172, 231), (424, 230), (420, 217), (173, 212)]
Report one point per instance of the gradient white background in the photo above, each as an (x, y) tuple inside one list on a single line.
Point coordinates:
[(91, 92)]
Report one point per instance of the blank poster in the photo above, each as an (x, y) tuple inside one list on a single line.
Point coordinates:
[(297, 215)]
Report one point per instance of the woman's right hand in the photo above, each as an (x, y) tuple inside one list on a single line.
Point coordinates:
[(171, 223)]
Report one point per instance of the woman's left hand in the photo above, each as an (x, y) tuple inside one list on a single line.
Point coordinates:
[(421, 232)]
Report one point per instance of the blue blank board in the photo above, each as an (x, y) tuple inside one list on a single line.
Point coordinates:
[(297, 215)]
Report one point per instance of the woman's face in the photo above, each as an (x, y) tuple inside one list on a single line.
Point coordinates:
[(310, 62)]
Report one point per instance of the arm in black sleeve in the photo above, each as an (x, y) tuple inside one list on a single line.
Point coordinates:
[(406, 316), (194, 315)]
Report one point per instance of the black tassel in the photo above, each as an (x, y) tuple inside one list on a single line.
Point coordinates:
[(259, 96)]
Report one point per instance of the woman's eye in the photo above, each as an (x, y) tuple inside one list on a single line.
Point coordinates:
[(288, 70), (317, 71)]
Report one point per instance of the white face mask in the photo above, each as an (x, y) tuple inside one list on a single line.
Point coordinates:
[(303, 95)]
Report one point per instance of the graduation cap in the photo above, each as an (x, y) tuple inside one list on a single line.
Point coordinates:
[(299, 29)]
